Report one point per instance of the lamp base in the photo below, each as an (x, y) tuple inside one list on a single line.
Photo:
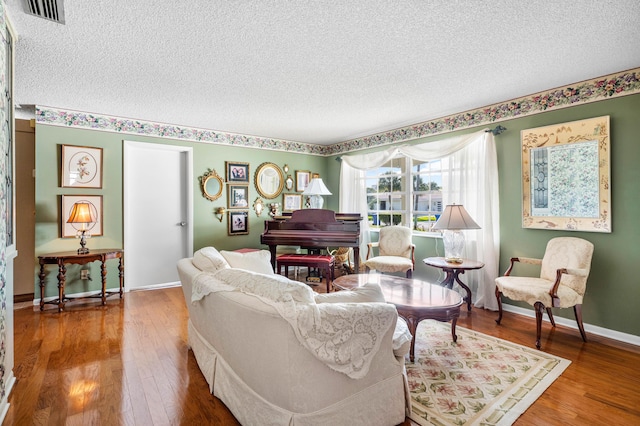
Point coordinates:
[(83, 242), (316, 201), (453, 246)]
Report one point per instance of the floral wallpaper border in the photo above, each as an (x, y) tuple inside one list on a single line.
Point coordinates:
[(610, 86), (4, 170)]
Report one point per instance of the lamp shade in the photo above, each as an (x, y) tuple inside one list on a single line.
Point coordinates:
[(316, 187), (455, 217), (81, 213)]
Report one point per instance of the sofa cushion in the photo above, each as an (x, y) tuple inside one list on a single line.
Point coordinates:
[(209, 259), (255, 261), (367, 293)]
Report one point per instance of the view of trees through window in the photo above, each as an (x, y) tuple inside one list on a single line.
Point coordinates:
[(392, 201)]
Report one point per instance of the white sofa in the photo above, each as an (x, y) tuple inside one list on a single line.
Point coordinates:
[(254, 360)]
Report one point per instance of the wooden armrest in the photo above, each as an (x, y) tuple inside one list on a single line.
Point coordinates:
[(529, 260), (413, 258), (581, 272), (370, 246)]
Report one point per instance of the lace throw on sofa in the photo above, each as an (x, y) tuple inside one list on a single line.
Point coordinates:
[(344, 336)]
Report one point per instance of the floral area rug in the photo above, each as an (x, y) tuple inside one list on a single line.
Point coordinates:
[(480, 380)]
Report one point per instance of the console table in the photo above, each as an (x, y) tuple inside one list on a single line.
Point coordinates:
[(72, 257), (453, 270)]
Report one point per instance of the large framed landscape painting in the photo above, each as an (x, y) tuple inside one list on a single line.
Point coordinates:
[(566, 176)]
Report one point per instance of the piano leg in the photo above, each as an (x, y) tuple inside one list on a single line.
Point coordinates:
[(272, 249), (356, 259)]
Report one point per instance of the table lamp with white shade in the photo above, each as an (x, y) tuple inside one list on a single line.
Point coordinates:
[(315, 190), (453, 221)]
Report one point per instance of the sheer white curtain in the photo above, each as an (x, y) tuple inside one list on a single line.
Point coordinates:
[(472, 180)]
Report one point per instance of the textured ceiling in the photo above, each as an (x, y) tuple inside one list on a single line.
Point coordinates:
[(311, 70)]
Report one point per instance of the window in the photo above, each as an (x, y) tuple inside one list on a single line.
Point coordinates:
[(391, 200)]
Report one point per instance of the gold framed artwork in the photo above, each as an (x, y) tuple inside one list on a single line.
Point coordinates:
[(238, 196), (81, 167), (238, 223), (237, 172), (566, 176), (303, 177), (291, 202), (70, 230)]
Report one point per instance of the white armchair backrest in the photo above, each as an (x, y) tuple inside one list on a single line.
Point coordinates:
[(570, 253), (395, 241)]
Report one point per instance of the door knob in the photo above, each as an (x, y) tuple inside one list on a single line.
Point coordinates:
[(183, 224)]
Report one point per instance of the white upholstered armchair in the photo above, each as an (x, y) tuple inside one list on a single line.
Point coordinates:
[(395, 251), (562, 283)]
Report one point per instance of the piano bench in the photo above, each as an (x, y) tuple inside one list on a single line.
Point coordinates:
[(325, 262)]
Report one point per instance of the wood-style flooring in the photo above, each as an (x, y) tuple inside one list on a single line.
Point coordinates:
[(127, 363)]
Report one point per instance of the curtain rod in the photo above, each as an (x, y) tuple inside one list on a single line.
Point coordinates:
[(499, 129), (496, 131)]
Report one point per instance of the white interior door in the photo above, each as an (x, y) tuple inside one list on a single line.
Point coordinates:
[(158, 200)]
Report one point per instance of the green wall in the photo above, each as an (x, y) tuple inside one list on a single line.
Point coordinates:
[(207, 230), (614, 284)]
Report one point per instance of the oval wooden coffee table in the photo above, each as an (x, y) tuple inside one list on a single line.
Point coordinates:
[(414, 299)]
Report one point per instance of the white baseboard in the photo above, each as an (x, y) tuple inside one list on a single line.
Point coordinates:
[(157, 286), (93, 293), (594, 329), (4, 404)]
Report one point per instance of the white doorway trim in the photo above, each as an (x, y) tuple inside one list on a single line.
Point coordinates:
[(129, 202)]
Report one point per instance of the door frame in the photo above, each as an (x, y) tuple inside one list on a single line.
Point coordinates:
[(188, 191)]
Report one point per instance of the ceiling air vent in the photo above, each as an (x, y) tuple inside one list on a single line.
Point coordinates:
[(52, 10)]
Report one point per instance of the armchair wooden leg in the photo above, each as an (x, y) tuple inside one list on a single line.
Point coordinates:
[(539, 308), (499, 297), (577, 309), (366, 268), (553, 323), (409, 273)]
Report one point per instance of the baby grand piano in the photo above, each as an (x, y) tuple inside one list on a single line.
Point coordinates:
[(313, 228)]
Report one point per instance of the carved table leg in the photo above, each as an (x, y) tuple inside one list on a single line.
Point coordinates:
[(42, 276), (121, 276), (464, 286), (62, 278), (103, 273)]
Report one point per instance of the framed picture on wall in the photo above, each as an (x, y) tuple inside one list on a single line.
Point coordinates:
[(70, 230), (237, 172), (81, 167), (302, 179), (238, 223), (291, 202), (238, 196), (566, 183)]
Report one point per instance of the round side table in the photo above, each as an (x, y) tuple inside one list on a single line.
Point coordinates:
[(453, 270)]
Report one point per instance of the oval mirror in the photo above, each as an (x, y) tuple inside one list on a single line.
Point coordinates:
[(211, 185), (269, 180)]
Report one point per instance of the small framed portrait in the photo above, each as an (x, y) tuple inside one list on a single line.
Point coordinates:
[(237, 172), (81, 167), (238, 196), (238, 223), (302, 179), (70, 230), (291, 202)]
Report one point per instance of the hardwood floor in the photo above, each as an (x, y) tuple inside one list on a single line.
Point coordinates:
[(128, 363)]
